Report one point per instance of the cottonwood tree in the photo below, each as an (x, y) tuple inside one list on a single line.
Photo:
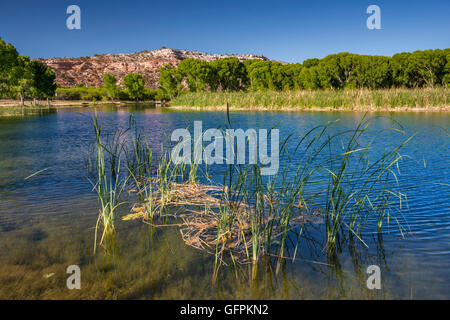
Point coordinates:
[(196, 73), (259, 75), (134, 83), (24, 78), (230, 74), (43, 81), (446, 77), (8, 61), (170, 81), (110, 85), (21, 79)]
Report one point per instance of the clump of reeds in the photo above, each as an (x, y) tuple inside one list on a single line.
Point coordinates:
[(139, 159), (355, 195), (250, 216), (109, 183)]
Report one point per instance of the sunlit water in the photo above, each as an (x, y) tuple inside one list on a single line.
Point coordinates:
[(47, 220)]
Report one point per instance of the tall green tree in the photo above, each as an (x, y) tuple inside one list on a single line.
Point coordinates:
[(309, 78), (21, 80), (196, 73), (259, 75), (373, 72), (291, 76), (8, 65), (419, 68), (135, 84), (43, 80), (335, 70), (402, 70), (230, 74), (24, 78), (110, 85), (430, 65), (170, 81), (446, 77)]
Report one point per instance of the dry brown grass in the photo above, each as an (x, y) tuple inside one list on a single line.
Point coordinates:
[(200, 206)]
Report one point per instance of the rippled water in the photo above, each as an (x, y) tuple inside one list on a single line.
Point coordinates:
[(47, 220)]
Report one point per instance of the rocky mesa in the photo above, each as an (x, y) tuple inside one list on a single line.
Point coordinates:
[(89, 71)]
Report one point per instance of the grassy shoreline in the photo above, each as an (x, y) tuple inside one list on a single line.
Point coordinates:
[(364, 100), (17, 110), (68, 103), (10, 108), (417, 100)]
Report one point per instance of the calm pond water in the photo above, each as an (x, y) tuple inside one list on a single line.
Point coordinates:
[(47, 220)]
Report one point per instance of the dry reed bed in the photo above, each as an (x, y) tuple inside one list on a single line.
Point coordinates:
[(429, 99), (200, 206)]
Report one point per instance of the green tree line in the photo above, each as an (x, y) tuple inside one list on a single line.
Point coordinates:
[(419, 69), (22, 78), (133, 89)]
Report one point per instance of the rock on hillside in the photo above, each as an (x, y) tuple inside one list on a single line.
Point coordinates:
[(90, 70)]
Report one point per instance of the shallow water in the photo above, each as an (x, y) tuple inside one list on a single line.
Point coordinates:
[(47, 221)]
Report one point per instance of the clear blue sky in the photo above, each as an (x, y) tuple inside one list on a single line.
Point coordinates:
[(281, 30)]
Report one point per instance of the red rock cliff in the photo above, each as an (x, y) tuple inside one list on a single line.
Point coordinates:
[(90, 70)]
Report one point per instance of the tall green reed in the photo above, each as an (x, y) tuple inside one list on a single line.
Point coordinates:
[(109, 184)]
